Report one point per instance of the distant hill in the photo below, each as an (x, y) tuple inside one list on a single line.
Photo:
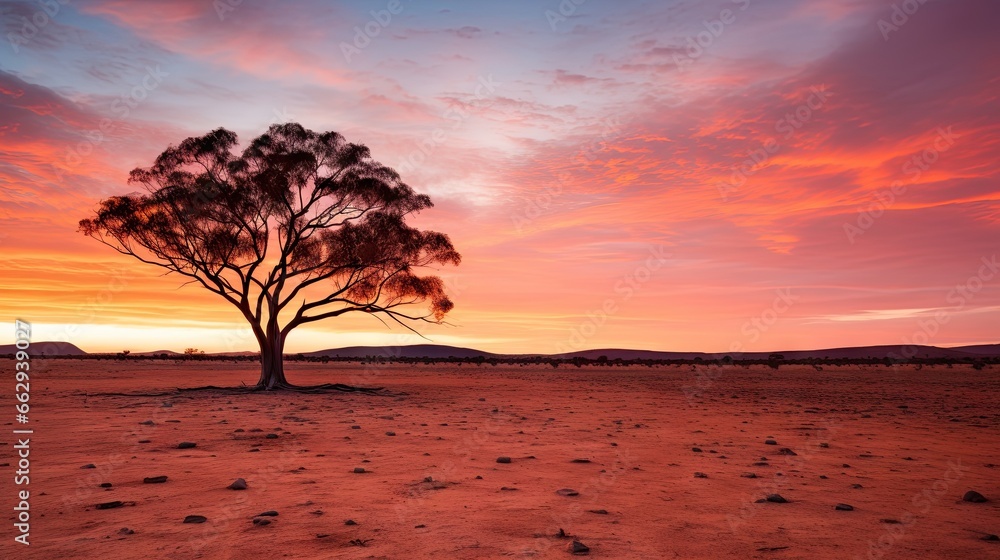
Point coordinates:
[(862, 352), (439, 351), (981, 349), (411, 351), (45, 349), (869, 352)]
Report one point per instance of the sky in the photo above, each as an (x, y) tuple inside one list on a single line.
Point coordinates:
[(720, 176)]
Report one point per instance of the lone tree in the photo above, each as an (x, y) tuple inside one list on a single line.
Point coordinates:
[(299, 227)]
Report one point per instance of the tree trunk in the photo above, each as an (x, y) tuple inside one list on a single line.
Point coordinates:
[(272, 371)]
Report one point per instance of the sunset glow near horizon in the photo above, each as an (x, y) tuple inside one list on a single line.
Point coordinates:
[(726, 176)]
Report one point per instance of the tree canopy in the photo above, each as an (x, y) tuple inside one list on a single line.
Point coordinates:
[(298, 227)]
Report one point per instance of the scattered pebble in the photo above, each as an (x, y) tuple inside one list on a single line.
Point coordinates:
[(567, 492), (350, 522), (770, 442), (359, 470), (577, 547), (154, 479), (268, 513), (700, 475), (776, 499), (974, 497), (843, 507), (110, 505), (186, 445), (503, 460), (89, 466), (195, 519), (238, 484), (126, 531)]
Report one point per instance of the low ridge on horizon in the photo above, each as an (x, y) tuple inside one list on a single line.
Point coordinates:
[(441, 351)]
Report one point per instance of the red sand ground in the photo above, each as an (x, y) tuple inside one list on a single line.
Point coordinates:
[(915, 442)]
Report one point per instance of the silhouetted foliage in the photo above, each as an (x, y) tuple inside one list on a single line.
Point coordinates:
[(298, 227)]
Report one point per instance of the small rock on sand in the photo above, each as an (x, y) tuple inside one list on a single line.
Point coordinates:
[(359, 470), (261, 522), (974, 497), (268, 513), (503, 460), (700, 475), (110, 505), (105, 485), (991, 538), (786, 451), (390, 433), (126, 531), (770, 442), (89, 466), (238, 484), (580, 461), (843, 507), (186, 445), (154, 479), (567, 492), (350, 522), (577, 547), (195, 519), (776, 499)]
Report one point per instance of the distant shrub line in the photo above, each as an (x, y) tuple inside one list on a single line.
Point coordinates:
[(775, 361)]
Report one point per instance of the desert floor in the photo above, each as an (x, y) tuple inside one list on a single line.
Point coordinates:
[(901, 446)]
